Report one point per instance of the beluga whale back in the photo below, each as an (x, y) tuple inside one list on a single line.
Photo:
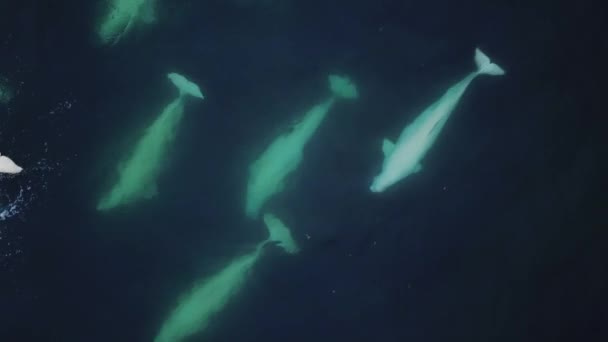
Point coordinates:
[(267, 174), (137, 175), (7, 165), (402, 158)]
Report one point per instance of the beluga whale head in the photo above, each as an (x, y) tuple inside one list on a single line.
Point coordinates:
[(381, 182), (390, 176), (378, 185)]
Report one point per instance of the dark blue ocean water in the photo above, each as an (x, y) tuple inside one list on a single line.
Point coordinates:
[(502, 237)]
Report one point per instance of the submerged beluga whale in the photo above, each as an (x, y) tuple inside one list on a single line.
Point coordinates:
[(122, 16), (403, 157), (267, 174), (137, 176), (6, 91), (198, 307)]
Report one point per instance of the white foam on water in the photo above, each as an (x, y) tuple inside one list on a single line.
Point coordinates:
[(21, 193), (18, 193), (12, 208)]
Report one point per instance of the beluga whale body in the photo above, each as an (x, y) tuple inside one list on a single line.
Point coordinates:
[(402, 158), (137, 175), (267, 174)]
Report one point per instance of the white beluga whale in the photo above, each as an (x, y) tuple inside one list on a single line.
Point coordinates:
[(403, 157), (7, 165), (267, 174), (137, 175), (196, 308), (122, 16)]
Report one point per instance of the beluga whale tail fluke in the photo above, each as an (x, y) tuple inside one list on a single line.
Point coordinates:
[(403, 157), (138, 174), (280, 234), (199, 306), (342, 87), (485, 66), (268, 173), (185, 86)]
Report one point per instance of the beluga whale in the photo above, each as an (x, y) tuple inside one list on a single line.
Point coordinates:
[(122, 16), (198, 307), (267, 174), (6, 91), (137, 175), (403, 157), (7, 165)]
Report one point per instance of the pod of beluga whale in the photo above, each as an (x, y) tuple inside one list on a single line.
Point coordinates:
[(403, 157), (268, 173), (137, 175)]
